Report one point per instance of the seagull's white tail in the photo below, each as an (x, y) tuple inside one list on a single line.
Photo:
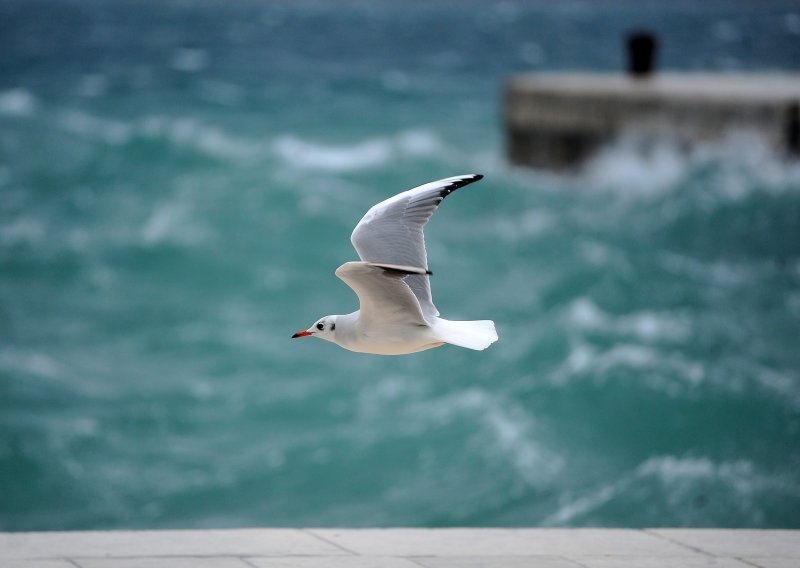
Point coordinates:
[(477, 335)]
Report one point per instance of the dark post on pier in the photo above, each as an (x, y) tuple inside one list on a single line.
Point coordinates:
[(793, 129), (642, 52)]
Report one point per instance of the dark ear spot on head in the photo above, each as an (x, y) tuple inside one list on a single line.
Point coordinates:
[(333, 326)]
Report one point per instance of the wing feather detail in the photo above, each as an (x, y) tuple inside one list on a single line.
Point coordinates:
[(384, 296), (391, 232)]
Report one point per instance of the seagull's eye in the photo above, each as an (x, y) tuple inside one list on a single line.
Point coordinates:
[(320, 326)]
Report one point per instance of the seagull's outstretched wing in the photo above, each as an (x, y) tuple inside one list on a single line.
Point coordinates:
[(384, 296), (391, 232)]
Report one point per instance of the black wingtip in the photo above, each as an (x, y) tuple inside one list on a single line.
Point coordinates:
[(429, 273), (458, 184)]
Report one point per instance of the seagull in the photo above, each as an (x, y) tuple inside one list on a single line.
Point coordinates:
[(392, 282)]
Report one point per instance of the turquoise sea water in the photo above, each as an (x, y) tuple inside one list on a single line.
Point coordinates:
[(178, 182)]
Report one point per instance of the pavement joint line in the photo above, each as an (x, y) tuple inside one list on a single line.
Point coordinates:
[(246, 560), (327, 541), (575, 561), (748, 562), (71, 561), (652, 532), (112, 556)]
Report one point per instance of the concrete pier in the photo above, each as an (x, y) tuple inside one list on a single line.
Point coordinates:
[(558, 120), (404, 548)]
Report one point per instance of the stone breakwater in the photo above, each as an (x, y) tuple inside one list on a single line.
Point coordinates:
[(560, 119)]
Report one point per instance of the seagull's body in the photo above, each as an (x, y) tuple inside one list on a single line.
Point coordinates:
[(392, 282)]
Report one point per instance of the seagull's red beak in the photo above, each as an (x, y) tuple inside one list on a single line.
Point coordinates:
[(303, 333)]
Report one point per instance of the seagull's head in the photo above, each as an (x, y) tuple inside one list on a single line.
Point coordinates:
[(324, 328)]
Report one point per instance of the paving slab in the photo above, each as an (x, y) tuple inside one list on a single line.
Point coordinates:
[(38, 563), (660, 562), (737, 543), (496, 562), (404, 548), (162, 562), (334, 562), (774, 562), (502, 542), (238, 542)]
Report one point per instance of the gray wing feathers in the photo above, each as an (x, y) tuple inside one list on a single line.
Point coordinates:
[(392, 232), (382, 293)]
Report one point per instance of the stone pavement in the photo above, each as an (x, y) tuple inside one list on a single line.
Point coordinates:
[(404, 548)]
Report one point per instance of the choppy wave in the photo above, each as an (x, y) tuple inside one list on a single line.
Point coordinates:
[(180, 132), (368, 154), (741, 163), (680, 484), (173, 210), (18, 102), (646, 325), (220, 143)]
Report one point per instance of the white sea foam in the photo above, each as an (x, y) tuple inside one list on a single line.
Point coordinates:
[(210, 140), (525, 225), (371, 153), (505, 432), (158, 224), (585, 314), (22, 230), (780, 383), (512, 431), (636, 167), (189, 60), (179, 131), (113, 132), (629, 356), (726, 31), (93, 86), (792, 23), (575, 507), (670, 373), (302, 154), (678, 479), (221, 92), (509, 432), (418, 142), (678, 474), (645, 325), (632, 168), (170, 222), (30, 362), (717, 274), (18, 102), (532, 53), (395, 80)]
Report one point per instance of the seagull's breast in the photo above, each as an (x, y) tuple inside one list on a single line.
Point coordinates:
[(396, 339)]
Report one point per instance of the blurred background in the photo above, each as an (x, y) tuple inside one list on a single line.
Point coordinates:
[(178, 183)]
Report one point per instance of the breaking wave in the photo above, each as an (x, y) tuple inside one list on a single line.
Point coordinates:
[(372, 153), (688, 491)]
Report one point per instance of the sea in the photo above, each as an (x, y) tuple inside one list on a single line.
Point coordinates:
[(178, 184)]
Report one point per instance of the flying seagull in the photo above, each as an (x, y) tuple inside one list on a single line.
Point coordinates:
[(392, 282)]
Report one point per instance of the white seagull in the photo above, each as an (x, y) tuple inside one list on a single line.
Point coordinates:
[(392, 282)]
